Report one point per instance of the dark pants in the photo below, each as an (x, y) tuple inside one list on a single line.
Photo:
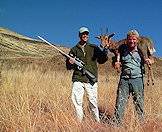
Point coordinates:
[(134, 86)]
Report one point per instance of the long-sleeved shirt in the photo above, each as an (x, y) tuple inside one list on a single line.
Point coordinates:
[(90, 54)]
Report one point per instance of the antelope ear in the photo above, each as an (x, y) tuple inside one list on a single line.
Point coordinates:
[(98, 37)]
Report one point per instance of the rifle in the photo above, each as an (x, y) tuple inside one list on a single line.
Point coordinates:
[(78, 62)]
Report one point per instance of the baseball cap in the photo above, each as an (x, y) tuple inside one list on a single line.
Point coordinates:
[(83, 29)]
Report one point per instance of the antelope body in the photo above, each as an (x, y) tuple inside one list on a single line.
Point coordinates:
[(145, 45)]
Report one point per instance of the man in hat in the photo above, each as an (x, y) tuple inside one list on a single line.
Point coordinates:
[(90, 54)]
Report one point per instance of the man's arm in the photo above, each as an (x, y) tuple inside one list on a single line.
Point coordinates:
[(101, 54), (69, 62), (117, 58)]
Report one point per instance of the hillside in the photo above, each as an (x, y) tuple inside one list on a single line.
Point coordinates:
[(15, 48), (14, 45)]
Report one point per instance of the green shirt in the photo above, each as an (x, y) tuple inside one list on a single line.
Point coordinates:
[(90, 54)]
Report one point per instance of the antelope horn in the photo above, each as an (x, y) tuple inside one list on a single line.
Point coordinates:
[(111, 35), (106, 31), (98, 37)]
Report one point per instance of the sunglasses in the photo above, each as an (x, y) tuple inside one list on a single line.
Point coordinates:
[(85, 33)]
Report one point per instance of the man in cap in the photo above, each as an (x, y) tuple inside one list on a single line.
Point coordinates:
[(131, 78), (90, 54)]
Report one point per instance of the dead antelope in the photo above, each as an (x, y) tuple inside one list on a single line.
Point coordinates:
[(112, 45), (147, 48), (144, 44)]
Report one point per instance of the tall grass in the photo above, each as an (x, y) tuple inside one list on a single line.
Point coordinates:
[(37, 100)]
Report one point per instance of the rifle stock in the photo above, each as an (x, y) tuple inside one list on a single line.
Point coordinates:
[(90, 76)]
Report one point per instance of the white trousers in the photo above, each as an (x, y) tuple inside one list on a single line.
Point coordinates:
[(77, 98)]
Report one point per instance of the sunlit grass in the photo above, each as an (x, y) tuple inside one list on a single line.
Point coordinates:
[(37, 100)]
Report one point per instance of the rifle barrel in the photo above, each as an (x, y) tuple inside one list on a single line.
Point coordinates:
[(54, 47)]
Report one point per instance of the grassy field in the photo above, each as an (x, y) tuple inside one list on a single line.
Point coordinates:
[(33, 100), (35, 92)]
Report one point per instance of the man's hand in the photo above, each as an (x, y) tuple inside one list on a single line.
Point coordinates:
[(117, 66), (106, 43), (149, 61), (72, 60)]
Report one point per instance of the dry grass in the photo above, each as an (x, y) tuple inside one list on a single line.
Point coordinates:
[(36, 100), (35, 94)]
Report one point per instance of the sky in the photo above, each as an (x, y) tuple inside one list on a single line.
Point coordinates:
[(59, 21)]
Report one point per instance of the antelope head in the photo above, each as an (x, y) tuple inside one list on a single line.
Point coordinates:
[(105, 39)]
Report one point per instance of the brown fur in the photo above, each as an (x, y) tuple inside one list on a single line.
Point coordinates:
[(144, 44)]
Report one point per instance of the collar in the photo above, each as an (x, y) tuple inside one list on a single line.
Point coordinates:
[(81, 46), (135, 50)]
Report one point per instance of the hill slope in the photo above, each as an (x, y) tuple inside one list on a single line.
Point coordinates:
[(14, 46)]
